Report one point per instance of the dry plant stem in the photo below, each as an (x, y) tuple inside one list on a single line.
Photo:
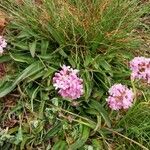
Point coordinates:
[(117, 133)]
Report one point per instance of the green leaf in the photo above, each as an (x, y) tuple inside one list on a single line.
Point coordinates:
[(97, 106), (97, 144), (36, 67), (60, 145), (44, 47), (72, 61), (91, 111), (62, 53), (32, 69), (35, 76), (23, 35), (5, 58), (56, 34), (106, 66), (19, 136), (49, 72), (87, 85), (81, 141), (23, 46), (53, 131), (34, 93), (32, 47), (22, 58), (44, 96), (88, 60)]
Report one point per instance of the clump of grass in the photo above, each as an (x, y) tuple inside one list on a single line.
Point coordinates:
[(93, 36)]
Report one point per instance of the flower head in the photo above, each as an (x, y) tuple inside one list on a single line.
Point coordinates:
[(3, 44), (140, 67), (120, 97), (68, 83)]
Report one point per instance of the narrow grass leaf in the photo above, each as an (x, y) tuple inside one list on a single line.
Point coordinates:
[(60, 145), (5, 58), (49, 72), (32, 47), (44, 47), (34, 93), (56, 128), (21, 58), (81, 141), (97, 106), (33, 68)]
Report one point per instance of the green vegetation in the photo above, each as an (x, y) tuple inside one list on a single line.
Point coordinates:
[(99, 38)]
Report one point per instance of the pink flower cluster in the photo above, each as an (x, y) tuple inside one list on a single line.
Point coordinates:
[(69, 84), (3, 44), (140, 67), (120, 97)]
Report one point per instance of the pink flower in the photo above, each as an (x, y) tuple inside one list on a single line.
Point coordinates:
[(140, 67), (68, 83), (120, 97), (3, 44)]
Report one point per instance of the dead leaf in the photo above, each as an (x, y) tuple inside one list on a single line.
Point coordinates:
[(3, 21)]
